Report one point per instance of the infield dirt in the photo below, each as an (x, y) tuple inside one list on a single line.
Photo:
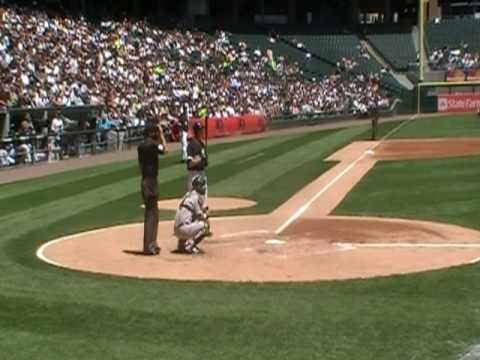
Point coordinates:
[(309, 245)]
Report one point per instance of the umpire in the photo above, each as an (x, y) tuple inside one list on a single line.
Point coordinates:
[(197, 158), (148, 153)]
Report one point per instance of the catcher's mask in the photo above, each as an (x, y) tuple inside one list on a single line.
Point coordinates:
[(199, 184)]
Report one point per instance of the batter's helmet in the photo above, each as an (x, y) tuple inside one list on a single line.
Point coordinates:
[(197, 126), (199, 184)]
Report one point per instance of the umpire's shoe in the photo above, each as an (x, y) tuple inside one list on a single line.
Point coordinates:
[(152, 250)]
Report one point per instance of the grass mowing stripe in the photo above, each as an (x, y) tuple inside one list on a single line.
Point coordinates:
[(125, 209), (443, 127), (32, 185), (218, 172), (29, 200), (49, 194), (272, 194), (127, 188), (71, 177), (255, 177)]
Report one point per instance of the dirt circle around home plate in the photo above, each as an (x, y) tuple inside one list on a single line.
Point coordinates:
[(299, 241)]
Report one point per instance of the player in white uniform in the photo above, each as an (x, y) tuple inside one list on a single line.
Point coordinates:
[(191, 220), (184, 133)]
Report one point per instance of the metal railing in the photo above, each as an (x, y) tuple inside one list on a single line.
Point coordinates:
[(319, 118), (21, 150)]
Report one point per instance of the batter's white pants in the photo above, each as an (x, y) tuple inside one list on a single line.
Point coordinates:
[(184, 142)]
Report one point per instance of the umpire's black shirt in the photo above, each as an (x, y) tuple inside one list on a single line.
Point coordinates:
[(148, 153), (196, 148)]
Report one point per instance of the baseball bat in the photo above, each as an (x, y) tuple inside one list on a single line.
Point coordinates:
[(206, 134)]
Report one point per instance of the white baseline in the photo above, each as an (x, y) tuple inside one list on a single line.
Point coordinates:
[(305, 207)]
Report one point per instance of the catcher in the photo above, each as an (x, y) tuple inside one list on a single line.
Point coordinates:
[(191, 220)]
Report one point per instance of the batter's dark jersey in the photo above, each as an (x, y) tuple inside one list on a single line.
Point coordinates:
[(184, 122), (196, 148), (148, 153)]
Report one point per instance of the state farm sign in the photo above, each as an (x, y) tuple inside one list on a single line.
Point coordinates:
[(467, 102)]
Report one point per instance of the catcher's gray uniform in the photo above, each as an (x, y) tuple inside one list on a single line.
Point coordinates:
[(190, 219)]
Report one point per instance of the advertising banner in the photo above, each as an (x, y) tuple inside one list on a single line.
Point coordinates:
[(465, 102), (234, 125)]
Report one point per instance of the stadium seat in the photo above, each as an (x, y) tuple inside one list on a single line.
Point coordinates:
[(454, 32), (332, 47), (398, 48), (311, 66)]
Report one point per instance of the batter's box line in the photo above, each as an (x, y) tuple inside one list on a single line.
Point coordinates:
[(243, 233), (408, 245)]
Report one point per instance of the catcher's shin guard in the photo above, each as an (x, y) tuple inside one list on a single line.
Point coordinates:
[(208, 230), (200, 236)]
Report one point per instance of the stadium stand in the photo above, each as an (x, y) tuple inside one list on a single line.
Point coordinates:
[(454, 46), (397, 48), (132, 72), (312, 66), (334, 47), (453, 32)]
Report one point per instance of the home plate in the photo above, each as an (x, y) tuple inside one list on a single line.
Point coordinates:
[(275, 242), (370, 152)]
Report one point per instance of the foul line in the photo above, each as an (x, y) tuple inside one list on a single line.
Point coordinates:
[(305, 207)]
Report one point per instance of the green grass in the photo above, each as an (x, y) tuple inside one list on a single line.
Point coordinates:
[(49, 313), (438, 127), (444, 190)]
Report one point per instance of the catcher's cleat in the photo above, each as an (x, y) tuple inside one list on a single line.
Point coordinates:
[(181, 250), (192, 248), (197, 251)]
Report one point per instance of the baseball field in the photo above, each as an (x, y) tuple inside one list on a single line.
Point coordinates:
[(286, 279)]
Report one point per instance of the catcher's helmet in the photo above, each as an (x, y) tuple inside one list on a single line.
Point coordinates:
[(199, 184)]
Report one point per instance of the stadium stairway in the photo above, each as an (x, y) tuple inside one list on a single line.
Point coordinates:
[(399, 77), (326, 50), (312, 67)]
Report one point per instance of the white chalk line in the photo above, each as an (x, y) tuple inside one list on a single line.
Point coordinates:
[(475, 261), (243, 233), (40, 253), (306, 206), (394, 130), (409, 245), (351, 247)]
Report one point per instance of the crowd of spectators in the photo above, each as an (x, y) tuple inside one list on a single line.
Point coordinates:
[(137, 72), (458, 58), (357, 93)]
